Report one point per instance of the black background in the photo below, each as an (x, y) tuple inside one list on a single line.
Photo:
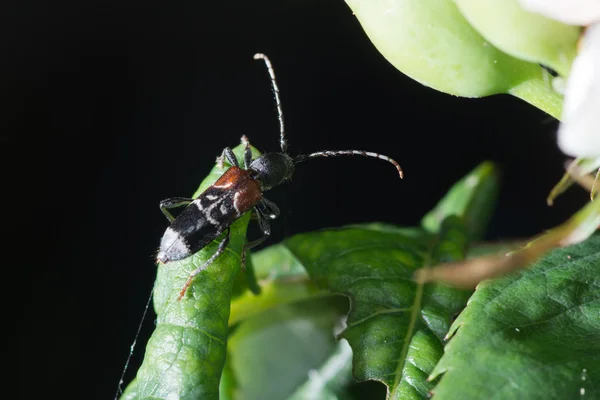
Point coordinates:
[(109, 107)]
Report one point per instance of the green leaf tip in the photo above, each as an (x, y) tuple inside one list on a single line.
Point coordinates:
[(473, 199)]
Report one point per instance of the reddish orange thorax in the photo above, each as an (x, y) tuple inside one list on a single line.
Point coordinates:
[(246, 190)]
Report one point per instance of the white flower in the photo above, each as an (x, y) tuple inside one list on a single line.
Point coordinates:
[(579, 131), (571, 12)]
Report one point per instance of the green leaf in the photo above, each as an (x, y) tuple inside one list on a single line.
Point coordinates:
[(395, 326), (272, 354), (532, 335), (228, 383), (522, 34), (246, 280), (285, 287), (431, 42), (185, 356), (473, 198), (282, 280), (277, 263), (330, 379)]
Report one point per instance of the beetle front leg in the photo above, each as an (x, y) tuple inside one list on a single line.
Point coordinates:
[(173, 202), (227, 153), (212, 258)]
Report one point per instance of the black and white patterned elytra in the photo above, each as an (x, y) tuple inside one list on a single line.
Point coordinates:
[(210, 214)]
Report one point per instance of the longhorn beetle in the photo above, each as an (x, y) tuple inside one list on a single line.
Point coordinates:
[(236, 192)]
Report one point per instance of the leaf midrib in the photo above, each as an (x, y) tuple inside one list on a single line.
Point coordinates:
[(414, 312)]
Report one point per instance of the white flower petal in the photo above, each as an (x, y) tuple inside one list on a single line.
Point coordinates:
[(572, 12), (579, 131)]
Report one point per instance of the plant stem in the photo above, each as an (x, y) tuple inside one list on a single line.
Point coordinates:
[(539, 93)]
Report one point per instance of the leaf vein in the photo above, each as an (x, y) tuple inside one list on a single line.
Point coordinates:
[(377, 313), (195, 328)]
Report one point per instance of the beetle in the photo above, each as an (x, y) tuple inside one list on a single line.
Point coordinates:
[(236, 192)]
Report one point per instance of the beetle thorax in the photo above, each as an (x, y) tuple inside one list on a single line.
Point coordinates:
[(272, 169)]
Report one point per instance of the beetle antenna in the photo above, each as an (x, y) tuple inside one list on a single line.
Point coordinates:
[(335, 153), (282, 140)]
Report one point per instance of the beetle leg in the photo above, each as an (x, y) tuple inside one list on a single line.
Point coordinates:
[(268, 209), (265, 227), (227, 153), (172, 203), (208, 262), (247, 152)]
